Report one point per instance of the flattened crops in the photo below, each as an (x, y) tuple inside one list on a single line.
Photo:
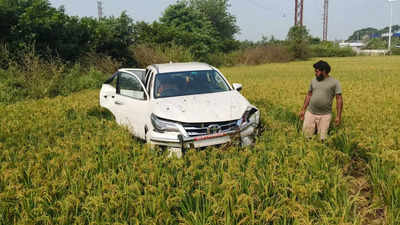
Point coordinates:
[(64, 160)]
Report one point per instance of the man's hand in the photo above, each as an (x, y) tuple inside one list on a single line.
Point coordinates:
[(301, 115), (337, 121), (306, 102), (339, 106)]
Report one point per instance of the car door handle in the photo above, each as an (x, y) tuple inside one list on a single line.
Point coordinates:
[(118, 103)]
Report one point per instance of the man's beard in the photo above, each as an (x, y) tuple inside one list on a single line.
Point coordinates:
[(320, 78)]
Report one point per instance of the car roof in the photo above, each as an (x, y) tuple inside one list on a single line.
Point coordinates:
[(180, 67)]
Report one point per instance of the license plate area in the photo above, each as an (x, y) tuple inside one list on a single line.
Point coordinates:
[(211, 141)]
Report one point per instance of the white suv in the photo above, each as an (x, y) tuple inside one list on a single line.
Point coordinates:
[(180, 105)]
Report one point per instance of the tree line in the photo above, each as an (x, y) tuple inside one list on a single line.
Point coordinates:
[(203, 27), (201, 30)]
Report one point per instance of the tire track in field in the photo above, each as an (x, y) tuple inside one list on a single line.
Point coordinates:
[(356, 170), (360, 184)]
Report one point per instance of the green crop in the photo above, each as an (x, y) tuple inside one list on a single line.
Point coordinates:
[(64, 160)]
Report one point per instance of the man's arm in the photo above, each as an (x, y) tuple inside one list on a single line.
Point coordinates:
[(339, 108), (306, 102)]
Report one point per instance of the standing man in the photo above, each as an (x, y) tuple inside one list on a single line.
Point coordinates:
[(317, 109)]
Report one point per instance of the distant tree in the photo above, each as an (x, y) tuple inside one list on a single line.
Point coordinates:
[(274, 41), (396, 41), (247, 44), (360, 34), (192, 29), (298, 33), (182, 16), (299, 42), (376, 43), (154, 33), (224, 23), (35, 23), (395, 28), (113, 36), (315, 40), (27, 22), (216, 11), (370, 33), (206, 26), (270, 41), (8, 18)]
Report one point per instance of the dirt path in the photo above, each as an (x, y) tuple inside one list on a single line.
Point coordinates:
[(361, 192)]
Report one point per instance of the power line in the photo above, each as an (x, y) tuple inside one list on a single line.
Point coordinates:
[(257, 4)]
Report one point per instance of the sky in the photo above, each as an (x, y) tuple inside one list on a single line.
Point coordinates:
[(258, 18)]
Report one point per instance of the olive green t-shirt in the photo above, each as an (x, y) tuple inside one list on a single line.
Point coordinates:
[(323, 93)]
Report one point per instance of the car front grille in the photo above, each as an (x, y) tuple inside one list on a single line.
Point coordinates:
[(200, 129)]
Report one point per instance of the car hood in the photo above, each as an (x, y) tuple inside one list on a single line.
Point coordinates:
[(213, 107)]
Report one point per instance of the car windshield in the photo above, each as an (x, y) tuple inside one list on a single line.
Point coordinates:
[(188, 83)]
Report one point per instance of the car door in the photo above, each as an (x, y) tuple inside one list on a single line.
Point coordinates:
[(131, 103), (107, 94)]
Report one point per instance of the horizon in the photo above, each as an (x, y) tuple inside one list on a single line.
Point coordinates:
[(251, 14)]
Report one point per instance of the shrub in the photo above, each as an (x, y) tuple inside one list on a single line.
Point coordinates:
[(78, 78), (396, 51), (38, 78), (329, 49), (175, 53), (10, 89), (224, 59), (145, 54), (344, 52), (103, 63), (264, 54), (33, 78), (300, 50), (298, 42), (4, 56), (376, 43), (249, 56)]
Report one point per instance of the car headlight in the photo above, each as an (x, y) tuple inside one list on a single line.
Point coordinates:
[(251, 115), (161, 125)]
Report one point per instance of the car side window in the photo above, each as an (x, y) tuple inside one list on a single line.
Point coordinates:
[(130, 86), (114, 83), (112, 80), (216, 79)]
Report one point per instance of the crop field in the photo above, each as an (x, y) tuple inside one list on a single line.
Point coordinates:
[(64, 160)]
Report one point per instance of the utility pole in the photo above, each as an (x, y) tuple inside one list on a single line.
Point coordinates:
[(390, 26), (325, 26), (100, 9), (298, 14)]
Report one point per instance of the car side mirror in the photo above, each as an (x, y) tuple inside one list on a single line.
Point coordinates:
[(237, 87)]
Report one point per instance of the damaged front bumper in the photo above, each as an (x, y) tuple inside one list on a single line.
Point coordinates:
[(245, 133)]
